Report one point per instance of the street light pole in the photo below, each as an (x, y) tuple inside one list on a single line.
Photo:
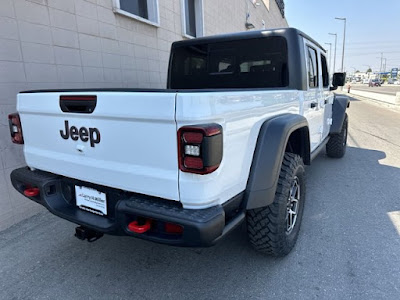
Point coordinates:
[(330, 57), (334, 56), (344, 39)]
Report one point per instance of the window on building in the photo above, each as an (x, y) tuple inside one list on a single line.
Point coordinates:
[(325, 73), (312, 65), (266, 2), (192, 18), (143, 10)]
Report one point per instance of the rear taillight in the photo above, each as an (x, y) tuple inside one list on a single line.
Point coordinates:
[(200, 148), (15, 128)]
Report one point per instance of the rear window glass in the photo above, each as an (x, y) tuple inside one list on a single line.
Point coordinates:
[(253, 63)]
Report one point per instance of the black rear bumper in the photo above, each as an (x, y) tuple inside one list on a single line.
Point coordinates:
[(201, 227)]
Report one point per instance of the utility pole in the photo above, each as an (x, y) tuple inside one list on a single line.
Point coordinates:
[(380, 69), (330, 57), (344, 39), (334, 56)]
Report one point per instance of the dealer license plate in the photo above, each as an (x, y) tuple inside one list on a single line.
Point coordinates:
[(91, 200)]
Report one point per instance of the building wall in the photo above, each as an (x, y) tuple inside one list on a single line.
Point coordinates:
[(83, 43), (225, 16)]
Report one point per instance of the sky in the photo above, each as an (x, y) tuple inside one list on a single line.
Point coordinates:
[(373, 27)]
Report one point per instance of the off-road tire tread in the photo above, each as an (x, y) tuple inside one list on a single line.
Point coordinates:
[(335, 147), (265, 228)]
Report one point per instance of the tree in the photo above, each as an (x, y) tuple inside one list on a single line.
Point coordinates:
[(358, 71), (369, 70)]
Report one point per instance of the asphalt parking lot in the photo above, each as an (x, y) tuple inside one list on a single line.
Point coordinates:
[(349, 244)]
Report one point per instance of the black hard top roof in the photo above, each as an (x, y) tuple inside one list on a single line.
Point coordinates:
[(285, 32)]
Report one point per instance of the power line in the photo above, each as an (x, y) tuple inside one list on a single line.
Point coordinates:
[(374, 42), (372, 46), (369, 53)]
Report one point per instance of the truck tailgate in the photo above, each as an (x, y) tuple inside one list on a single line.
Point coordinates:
[(127, 142)]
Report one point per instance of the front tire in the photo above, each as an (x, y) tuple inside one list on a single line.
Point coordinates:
[(274, 229), (337, 144)]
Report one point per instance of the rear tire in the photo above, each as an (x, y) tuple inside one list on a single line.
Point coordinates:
[(337, 144), (274, 229)]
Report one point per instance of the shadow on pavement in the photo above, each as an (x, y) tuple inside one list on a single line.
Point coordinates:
[(347, 247), (349, 96), (352, 98)]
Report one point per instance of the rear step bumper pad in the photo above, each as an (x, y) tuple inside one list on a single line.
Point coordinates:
[(201, 227)]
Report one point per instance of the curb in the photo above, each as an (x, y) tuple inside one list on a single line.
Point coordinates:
[(389, 99), (376, 102)]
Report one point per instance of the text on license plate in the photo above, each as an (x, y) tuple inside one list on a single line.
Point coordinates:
[(91, 200)]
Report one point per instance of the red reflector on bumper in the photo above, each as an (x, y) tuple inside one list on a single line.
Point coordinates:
[(173, 228)]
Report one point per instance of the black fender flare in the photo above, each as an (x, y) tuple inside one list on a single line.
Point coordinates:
[(268, 156), (340, 103)]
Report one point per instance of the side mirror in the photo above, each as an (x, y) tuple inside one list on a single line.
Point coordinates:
[(339, 79)]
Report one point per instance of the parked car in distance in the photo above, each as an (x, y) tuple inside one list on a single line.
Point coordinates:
[(375, 82), (392, 81), (365, 81)]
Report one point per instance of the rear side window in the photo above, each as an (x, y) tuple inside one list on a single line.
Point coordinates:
[(252, 63), (325, 74), (312, 66)]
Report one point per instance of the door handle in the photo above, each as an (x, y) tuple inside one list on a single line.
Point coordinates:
[(326, 101), (313, 104)]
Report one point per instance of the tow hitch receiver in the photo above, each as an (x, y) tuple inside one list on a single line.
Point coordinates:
[(84, 233)]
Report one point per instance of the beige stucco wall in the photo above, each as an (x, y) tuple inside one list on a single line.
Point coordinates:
[(83, 43), (225, 16)]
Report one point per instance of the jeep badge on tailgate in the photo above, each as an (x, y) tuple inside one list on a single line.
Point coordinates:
[(91, 134)]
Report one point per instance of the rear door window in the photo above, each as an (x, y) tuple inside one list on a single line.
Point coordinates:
[(325, 74), (312, 65)]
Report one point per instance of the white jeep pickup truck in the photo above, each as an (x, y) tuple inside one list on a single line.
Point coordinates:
[(227, 141)]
